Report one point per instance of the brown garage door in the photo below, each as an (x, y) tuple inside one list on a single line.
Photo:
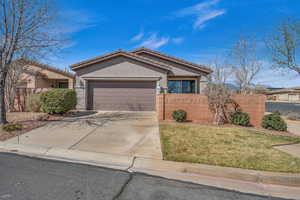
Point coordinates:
[(122, 95)]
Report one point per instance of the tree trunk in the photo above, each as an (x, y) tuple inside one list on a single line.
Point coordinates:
[(2, 103)]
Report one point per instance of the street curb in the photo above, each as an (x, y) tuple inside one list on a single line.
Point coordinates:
[(285, 179), (97, 159), (153, 166)]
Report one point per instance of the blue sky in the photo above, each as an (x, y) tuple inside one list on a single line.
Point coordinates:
[(195, 30)]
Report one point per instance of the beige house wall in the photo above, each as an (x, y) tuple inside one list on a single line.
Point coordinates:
[(37, 77), (286, 97)]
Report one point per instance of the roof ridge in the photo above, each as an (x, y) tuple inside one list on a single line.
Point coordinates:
[(141, 58), (95, 58), (151, 60), (173, 58), (45, 66)]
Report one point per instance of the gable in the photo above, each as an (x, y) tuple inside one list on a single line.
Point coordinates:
[(177, 69), (131, 56), (179, 66), (36, 70), (120, 66)]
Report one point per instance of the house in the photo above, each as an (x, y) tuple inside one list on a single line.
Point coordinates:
[(287, 94), (130, 80), (37, 75)]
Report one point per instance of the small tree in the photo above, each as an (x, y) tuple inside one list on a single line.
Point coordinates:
[(24, 32), (218, 94), (245, 63), (284, 45)]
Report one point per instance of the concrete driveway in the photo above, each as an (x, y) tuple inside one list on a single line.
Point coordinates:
[(125, 133)]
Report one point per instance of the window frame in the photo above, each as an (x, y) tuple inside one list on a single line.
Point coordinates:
[(181, 85)]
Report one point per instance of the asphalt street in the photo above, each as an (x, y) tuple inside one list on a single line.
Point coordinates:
[(283, 107), (25, 178)]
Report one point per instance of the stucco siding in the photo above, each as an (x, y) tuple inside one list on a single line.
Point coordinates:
[(177, 69), (121, 67), (81, 99)]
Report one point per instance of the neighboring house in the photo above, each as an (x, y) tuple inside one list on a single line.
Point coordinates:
[(37, 75), (129, 81), (288, 94)]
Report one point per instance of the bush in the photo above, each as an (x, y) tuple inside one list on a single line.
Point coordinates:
[(10, 127), (293, 116), (179, 115), (274, 122), (240, 118), (33, 102), (58, 101)]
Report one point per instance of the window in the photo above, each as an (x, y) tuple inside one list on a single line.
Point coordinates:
[(63, 85), (181, 86)]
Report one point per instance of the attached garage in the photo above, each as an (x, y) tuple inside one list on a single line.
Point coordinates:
[(129, 81), (121, 95)]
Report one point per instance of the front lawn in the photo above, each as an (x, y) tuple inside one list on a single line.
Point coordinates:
[(231, 147)]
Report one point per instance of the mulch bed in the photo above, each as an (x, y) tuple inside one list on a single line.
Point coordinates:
[(28, 126), (272, 132)]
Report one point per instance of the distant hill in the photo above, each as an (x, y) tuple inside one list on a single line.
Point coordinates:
[(231, 86), (272, 88)]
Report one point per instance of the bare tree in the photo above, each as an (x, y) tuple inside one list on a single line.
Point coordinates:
[(284, 45), (24, 32), (218, 94), (245, 63), (12, 81)]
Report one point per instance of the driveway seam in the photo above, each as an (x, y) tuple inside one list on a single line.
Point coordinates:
[(84, 137), (128, 180)]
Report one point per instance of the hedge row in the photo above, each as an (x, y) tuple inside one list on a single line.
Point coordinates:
[(271, 121)]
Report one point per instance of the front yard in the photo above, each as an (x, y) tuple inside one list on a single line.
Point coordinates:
[(230, 147), (28, 121)]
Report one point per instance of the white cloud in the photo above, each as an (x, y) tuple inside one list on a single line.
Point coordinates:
[(72, 21), (200, 22), (203, 12), (138, 37), (178, 40), (154, 41)]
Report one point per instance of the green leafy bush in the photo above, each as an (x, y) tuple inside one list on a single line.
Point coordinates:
[(240, 118), (179, 115), (58, 101), (274, 122), (33, 102), (10, 127)]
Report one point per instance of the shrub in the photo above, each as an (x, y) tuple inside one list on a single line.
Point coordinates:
[(293, 116), (274, 122), (33, 102), (10, 127), (240, 118), (58, 101), (179, 115)]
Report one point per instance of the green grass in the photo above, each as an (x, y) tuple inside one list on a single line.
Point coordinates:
[(231, 147)]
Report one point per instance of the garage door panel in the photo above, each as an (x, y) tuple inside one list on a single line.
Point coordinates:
[(123, 96)]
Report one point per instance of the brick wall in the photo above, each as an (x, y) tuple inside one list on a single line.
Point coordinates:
[(196, 106)]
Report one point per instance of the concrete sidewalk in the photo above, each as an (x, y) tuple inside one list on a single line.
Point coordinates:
[(293, 149), (293, 126), (283, 185)]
